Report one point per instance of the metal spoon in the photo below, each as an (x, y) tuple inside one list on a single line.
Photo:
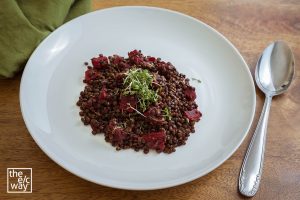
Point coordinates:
[(274, 74)]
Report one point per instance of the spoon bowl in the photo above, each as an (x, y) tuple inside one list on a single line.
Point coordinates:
[(275, 69)]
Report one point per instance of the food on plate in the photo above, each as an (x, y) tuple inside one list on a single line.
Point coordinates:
[(138, 102)]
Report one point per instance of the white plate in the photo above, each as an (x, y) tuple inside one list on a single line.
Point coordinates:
[(53, 77)]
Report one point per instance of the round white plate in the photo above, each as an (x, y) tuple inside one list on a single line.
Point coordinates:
[(52, 81)]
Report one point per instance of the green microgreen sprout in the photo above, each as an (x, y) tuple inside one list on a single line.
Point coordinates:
[(167, 113), (138, 82)]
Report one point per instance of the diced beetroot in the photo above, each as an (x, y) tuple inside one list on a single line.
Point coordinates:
[(91, 74), (193, 115), (151, 59), (103, 94), (137, 60), (119, 135), (133, 53), (100, 62), (88, 74), (155, 140), (190, 93), (126, 102), (136, 57), (117, 59)]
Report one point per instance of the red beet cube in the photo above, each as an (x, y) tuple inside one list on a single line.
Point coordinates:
[(88, 74), (155, 140), (91, 74), (100, 62), (117, 59), (133, 53), (151, 59), (193, 115), (137, 60), (127, 103), (136, 57), (190, 93)]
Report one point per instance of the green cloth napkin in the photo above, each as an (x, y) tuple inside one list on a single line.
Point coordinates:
[(25, 23)]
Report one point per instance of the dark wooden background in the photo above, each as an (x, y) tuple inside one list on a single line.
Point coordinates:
[(250, 25)]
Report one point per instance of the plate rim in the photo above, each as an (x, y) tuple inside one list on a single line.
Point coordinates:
[(73, 169)]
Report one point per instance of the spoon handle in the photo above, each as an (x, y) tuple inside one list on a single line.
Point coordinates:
[(251, 170)]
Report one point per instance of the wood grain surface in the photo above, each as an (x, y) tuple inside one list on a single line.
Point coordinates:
[(250, 25)]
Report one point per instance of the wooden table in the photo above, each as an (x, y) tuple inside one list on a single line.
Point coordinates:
[(250, 25)]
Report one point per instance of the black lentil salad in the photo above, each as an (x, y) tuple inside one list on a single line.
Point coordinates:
[(138, 102)]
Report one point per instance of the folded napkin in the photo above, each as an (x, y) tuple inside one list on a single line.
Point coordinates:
[(25, 23)]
